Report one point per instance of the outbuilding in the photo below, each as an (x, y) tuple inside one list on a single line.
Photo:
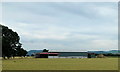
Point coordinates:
[(72, 54), (45, 55), (65, 55)]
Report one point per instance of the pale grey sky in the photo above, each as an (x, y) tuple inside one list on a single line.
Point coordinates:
[(64, 26)]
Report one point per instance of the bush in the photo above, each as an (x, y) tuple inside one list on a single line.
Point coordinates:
[(100, 56)]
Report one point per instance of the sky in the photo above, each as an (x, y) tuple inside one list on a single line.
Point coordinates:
[(63, 26)]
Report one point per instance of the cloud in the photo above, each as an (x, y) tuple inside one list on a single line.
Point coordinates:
[(64, 26), (89, 9)]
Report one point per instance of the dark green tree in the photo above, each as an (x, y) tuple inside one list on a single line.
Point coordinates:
[(45, 50), (10, 42), (21, 52), (32, 55)]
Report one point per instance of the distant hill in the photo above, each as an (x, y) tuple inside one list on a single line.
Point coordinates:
[(33, 51), (98, 52), (105, 52), (114, 51)]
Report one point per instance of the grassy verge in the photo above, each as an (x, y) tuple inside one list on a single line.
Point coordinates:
[(61, 64)]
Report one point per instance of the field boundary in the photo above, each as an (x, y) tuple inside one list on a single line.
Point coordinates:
[(60, 71)]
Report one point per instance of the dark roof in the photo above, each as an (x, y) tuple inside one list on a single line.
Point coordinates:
[(48, 53), (68, 52)]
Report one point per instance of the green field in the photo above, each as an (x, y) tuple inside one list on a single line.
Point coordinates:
[(61, 64)]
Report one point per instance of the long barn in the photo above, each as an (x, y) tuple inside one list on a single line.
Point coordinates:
[(65, 55), (71, 54)]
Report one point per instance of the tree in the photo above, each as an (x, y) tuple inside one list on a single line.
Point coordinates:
[(21, 52), (100, 56), (32, 55), (10, 42), (45, 50)]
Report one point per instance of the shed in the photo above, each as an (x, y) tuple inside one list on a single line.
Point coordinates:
[(72, 54), (45, 55), (91, 55)]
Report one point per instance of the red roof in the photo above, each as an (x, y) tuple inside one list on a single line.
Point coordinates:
[(47, 53)]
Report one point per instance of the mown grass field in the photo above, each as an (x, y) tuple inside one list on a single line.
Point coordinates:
[(61, 64)]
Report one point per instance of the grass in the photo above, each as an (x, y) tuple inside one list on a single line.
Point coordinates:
[(61, 64)]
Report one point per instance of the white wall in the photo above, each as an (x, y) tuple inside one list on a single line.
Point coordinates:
[(67, 57)]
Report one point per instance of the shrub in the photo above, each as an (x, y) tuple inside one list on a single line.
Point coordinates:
[(100, 56)]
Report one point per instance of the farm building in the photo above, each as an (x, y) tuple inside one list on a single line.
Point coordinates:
[(72, 54), (45, 55), (91, 55), (65, 55)]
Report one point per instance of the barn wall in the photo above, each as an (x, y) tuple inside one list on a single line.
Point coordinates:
[(73, 54)]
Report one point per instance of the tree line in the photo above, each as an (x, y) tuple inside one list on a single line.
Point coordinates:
[(11, 46)]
